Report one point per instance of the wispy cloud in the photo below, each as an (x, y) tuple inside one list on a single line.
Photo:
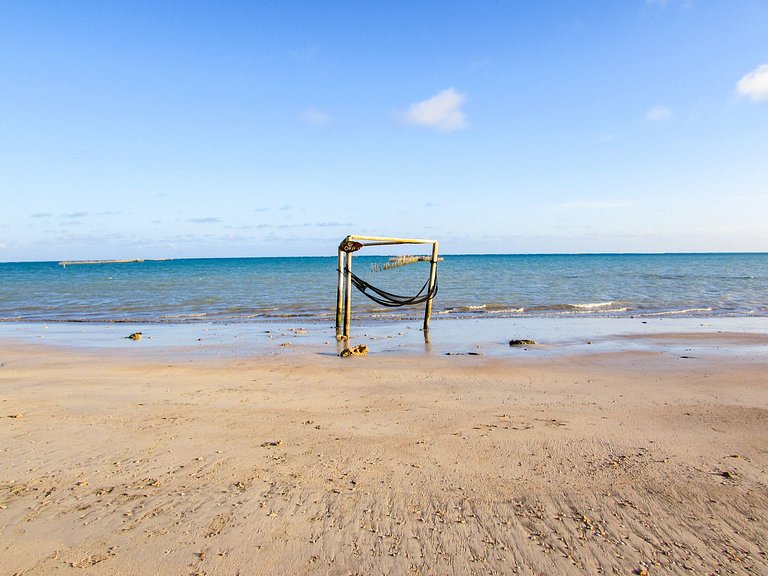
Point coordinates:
[(314, 115), (442, 112), (235, 238), (755, 84), (665, 3), (332, 224), (588, 205), (41, 215), (94, 238), (76, 215), (207, 220), (658, 114)]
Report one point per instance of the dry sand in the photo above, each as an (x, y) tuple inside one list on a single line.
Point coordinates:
[(619, 463)]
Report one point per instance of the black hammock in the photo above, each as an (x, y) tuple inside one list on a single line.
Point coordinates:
[(393, 300)]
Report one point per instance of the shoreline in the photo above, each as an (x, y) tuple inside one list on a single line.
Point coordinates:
[(746, 337)]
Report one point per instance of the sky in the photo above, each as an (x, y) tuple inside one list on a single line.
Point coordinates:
[(275, 128)]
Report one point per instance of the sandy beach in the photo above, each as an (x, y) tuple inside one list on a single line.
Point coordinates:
[(613, 462)]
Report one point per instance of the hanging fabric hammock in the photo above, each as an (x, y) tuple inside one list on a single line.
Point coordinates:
[(388, 298)]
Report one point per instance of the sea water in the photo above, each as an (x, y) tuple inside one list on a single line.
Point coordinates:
[(470, 286)]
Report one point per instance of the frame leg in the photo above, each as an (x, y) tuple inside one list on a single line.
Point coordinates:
[(432, 280), (348, 295), (340, 293)]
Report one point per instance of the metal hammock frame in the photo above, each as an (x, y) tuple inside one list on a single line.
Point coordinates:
[(352, 244)]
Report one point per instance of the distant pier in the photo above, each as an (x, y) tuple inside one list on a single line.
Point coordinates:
[(65, 263), (397, 261)]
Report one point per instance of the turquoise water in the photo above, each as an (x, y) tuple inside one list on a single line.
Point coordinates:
[(509, 286)]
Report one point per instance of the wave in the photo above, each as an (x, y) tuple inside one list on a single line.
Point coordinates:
[(481, 309), (566, 311), (593, 308), (677, 312), (183, 316), (591, 305), (581, 308)]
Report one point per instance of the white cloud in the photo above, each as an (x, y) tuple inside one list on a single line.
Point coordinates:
[(755, 84), (442, 111), (588, 205), (332, 224), (206, 220), (658, 113), (314, 115)]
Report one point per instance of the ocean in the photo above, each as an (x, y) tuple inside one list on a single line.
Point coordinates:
[(244, 290)]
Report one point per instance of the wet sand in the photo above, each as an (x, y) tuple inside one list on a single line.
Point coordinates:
[(625, 461)]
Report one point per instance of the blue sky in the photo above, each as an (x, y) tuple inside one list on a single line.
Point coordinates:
[(203, 129)]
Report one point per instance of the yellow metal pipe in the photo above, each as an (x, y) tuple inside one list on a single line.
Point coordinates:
[(340, 292), (385, 240), (432, 280), (348, 295)]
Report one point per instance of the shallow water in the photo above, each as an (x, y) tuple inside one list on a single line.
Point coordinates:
[(487, 337)]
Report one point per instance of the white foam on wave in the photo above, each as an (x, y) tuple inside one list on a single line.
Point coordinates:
[(507, 311), (190, 315), (677, 312), (592, 305), (482, 308), (585, 313)]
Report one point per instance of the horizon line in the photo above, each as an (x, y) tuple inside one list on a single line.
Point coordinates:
[(166, 259)]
